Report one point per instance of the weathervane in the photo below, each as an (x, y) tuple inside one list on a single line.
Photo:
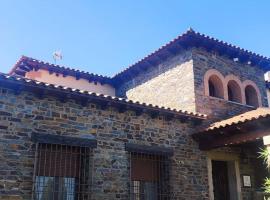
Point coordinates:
[(57, 55)]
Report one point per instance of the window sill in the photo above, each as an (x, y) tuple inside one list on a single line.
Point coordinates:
[(232, 102), (241, 104)]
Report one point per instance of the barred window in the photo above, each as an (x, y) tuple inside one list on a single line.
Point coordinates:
[(62, 172), (149, 176)]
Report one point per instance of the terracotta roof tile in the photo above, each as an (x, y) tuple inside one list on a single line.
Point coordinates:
[(242, 118), (30, 82), (38, 64), (191, 38)]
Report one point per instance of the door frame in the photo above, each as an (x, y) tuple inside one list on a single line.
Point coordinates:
[(221, 156)]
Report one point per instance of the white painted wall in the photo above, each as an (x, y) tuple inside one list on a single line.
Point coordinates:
[(70, 81), (267, 78), (268, 96)]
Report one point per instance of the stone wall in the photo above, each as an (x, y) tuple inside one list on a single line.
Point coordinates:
[(178, 83), (220, 108), (24, 114), (170, 84)]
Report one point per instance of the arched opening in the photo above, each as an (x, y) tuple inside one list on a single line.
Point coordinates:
[(215, 87), (234, 91), (251, 96)]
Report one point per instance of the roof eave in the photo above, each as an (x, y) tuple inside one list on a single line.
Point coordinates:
[(19, 83), (37, 64), (191, 39)]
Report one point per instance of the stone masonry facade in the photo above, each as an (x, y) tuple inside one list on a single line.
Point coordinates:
[(179, 83), (24, 114), (219, 108), (170, 84)]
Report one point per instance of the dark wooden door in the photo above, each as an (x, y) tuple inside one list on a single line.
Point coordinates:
[(220, 180)]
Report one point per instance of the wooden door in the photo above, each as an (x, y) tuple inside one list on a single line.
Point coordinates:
[(220, 180)]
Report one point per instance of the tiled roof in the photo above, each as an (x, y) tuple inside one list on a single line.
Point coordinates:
[(32, 84), (25, 64), (192, 38), (239, 119), (186, 40), (248, 127)]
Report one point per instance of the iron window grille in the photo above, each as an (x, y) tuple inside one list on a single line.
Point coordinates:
[(149, 176), (62, 172)]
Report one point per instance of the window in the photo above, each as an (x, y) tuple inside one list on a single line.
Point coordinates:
[(251, 96), (234, 91), (212, 91), (215, 87), (149, 177), (62, 172)]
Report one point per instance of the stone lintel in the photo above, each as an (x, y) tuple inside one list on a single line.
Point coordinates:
[(64, 140), (156, 150)]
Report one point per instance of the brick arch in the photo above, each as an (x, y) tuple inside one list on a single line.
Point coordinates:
[(250, 83), (236, 85), (215, 74)]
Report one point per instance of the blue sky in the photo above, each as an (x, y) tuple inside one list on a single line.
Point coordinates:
[(106, 36)]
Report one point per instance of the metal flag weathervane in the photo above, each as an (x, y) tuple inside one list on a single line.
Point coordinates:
[(57, 55)]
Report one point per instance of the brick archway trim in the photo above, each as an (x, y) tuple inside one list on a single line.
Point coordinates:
[(207, 75)]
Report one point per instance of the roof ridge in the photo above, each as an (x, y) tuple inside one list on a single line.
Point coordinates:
[(190, 31), (23, 57), (229, 44)]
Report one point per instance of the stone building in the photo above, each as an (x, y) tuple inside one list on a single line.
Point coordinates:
[(185, 122)]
